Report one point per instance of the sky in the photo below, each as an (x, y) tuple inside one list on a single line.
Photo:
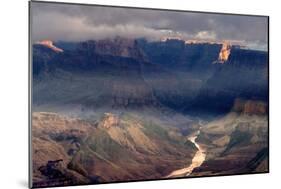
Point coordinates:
[(66, 22)]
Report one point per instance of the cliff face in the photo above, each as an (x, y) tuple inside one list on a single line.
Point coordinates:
[(177, 54), (119, 47), (250, 107), (243, 75), (111, 71), (136, 73)]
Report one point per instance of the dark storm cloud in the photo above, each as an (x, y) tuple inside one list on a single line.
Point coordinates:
[(76, 22)]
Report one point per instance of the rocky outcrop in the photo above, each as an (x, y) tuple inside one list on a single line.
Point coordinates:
[(109, 120), (224, 53), (49, 44), (250, 107)]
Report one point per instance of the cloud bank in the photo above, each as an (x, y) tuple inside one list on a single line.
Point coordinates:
[(79, 23)]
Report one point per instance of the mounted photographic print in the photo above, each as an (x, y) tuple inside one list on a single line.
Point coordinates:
[(121, 94)]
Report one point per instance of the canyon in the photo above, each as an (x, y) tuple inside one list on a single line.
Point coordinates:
[(125, 109), (197, 160)]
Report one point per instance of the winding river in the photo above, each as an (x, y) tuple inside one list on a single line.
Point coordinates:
[(197, 160)]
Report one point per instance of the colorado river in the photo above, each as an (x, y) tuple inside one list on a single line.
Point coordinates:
[(197, 160)]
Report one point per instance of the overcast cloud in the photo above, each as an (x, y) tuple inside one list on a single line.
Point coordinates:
[(78, 23)]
